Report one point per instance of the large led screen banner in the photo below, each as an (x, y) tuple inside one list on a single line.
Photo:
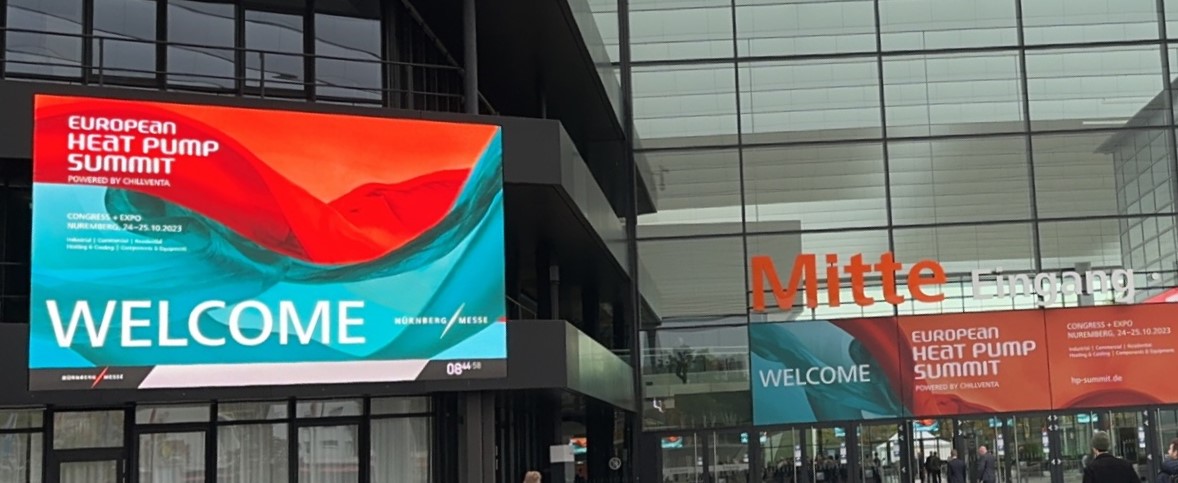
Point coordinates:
[(200, 246), (962, 364)]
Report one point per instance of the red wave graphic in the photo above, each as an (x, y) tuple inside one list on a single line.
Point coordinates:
[(244, 191)]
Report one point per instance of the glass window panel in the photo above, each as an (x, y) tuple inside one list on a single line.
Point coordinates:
[(685, 105), (1171, 19), (1005, 247), (21, 418), (251, 411), (106, 471), (203, 33), (254, 453), (1114, 244), (810, 100), (801, 27), (960, 180), (695, 280), (19, 458), (953, 94), (1068, 243), (329, 408), (680, 364), (814, 187), (694, 188), (171, 457), (782, 250), (680, 29), (89, 429), (1094, 88), (274, 48), (126, 37), (404, 445), (400, 405), (941, 24), (1075, 173), (33, 48), (1078, 21), (354, 69), (961, 249), (329, 454), (196, 413)]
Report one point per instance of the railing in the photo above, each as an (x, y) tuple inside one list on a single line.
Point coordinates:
[(105, 60)]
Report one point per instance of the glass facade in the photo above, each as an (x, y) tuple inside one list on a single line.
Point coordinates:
[(252, 442), (1030, 136)]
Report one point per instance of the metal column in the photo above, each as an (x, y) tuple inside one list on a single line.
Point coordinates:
[(476, 445), (471, 56)]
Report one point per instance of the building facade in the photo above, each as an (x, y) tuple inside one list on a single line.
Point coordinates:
[(998, 138)]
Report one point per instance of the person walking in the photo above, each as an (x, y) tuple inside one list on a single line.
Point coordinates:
[(1169, 470), (933, 467), (987, 466), (1106, 468), (957, 468)]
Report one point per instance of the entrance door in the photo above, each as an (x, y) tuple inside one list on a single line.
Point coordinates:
[(781, 456), (1020, 446), (828, 448), (1125, 428), (879, 452), (89, 466)]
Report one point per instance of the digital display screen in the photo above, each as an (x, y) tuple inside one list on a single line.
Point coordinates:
[(181, 245)]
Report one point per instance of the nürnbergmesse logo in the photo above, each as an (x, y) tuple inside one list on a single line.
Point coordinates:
[(922, 282)]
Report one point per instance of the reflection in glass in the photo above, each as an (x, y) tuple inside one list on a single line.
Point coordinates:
[(942, 24), (729, 457), (683, 456), (810, 100), (800, 27), (695, 280), (676, 30), (126, 38), (274, 48), (89, 429), (205, 32), (1076, 21), (20, 418), (41, 52), (818, 186), (695, 188), (1147, 245), (20, 457), (685, 105), (957, 180), (251, 411), (354, 71), (255, 453), (401, 450), (328, 454), (328, 408), (953, 94), (681, 366), (961, 249), (90, 472), (1104, 173), (781, 455), (171, 457), (167, 414), (1094, 88)]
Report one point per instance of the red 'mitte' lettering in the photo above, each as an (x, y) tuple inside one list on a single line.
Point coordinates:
[(921, 275)]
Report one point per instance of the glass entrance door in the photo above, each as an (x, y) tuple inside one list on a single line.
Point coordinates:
[(781, 456), (828, 449), (879, 453), (1125, 428)]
